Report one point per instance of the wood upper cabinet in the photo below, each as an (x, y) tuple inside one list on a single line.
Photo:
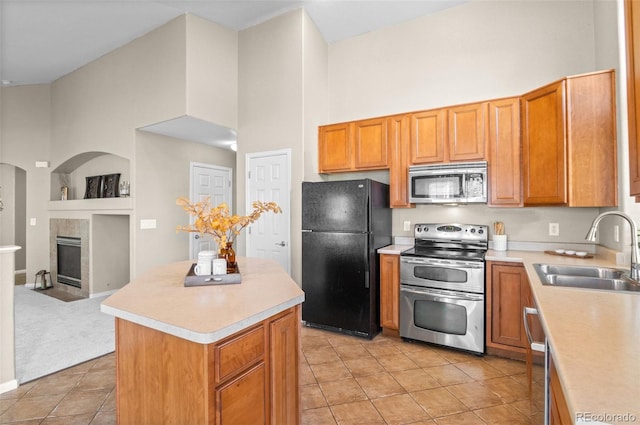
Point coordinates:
[(398, 137), (505, 173), (466, 136), (389, 291), (543, 146), (508, 292), (359, 145), (428, 136), (632, 26), (569, 142), (335, 147)]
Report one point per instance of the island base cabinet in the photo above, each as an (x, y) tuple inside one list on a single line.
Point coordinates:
[(558, 410), (250, 377)]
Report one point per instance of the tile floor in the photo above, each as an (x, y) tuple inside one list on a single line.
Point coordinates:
[(344, 380)]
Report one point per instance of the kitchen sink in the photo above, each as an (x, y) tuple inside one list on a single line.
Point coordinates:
[(603, 278)]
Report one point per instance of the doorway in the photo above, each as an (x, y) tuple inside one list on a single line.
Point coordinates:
[(13, 217), (208, 181), (269, 179)]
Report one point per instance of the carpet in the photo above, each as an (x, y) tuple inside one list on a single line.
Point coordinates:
[(51, 335)]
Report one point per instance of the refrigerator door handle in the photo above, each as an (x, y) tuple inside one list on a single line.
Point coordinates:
[(366, 269)]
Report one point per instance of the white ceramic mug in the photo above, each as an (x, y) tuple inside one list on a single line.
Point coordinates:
[(219, 266), (203, 268)]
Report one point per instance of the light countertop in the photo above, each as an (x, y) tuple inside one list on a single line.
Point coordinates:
[(594, 336), (159, 300)]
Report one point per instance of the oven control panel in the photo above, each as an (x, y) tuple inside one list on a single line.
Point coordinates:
[(448, 232)]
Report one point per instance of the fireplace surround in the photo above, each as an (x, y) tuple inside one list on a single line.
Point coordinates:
[(72, 275)]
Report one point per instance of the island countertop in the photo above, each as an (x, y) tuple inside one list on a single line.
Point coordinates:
[(594, 337), (159, 300)]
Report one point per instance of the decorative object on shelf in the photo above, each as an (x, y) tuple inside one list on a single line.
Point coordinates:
[(93, 187), (64, 193), (223, 227), (105, 186), (125, 188)]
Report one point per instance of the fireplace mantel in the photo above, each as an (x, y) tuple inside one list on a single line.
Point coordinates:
[(99, 204)]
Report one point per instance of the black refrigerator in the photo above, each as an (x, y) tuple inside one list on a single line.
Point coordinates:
[(343, 224)]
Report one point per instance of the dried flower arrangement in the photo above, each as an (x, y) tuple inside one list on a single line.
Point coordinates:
[(217, 221)]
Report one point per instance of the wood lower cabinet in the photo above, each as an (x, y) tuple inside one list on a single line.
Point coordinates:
[(505, 172), (249, 377), (390, 292), (558, 409), (569, 142), (508, 292)]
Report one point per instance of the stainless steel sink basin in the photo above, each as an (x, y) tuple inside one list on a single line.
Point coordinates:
[(603, 278)]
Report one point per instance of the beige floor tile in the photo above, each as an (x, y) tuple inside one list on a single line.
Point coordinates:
[(6, 403), (351, 351), (455, 356), (400, 409), (364, 366), (100, 379), (479, 369), (503, 414), (506, 366), (69, 420), (380, 385), (438, 402), (526, 407), (81, 402), (317, 355), (342, 391), (359, 412), (466, 418), (415, 380), (448, 375), (537, 419), (104, 418), (110, 402), (509, 390), (337, 339), (319, 416), (79, 368), (312, 339), (18, 392), (382, 349), (474, 395), (56, 384), (397, 362), (306, 375), (311, 397), (330, 371), (28, 408), (107, 362), (427, 358)]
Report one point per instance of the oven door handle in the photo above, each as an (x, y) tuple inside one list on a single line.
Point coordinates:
[(441, 263), (443, 294)]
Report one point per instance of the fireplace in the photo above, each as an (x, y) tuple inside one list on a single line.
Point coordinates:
[(69, 260)]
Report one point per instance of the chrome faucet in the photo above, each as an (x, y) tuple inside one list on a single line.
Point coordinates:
[(591, 236)]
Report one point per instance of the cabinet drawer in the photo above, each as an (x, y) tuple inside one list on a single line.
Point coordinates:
[(238, 353)]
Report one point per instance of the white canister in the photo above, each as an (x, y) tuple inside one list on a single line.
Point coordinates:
[(500, 242), (203, 268), (206, 255), (219, 266)]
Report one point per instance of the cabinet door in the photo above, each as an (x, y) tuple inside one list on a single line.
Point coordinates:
[(543, 146), (632, 24), (466, 137), (558, 410), (591, 140), (284, 378), (505, 175), (389, 291), (398, 129), (509, 286), (244, 399), (428, 136), (334, 147), (371, 150)]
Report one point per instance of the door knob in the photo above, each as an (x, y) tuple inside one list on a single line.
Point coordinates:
[(280, 243), (197, 236)]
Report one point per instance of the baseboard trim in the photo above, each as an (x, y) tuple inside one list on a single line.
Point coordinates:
[(102, 294), (8, 386)]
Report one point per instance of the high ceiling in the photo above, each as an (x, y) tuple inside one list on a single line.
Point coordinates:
[(43, 40)]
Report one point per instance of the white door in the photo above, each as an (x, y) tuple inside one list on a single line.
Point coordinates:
[(269, 179), (213, 182)]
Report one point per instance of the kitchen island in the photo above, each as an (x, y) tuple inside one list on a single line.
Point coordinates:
[(221, 354), (594, 340)]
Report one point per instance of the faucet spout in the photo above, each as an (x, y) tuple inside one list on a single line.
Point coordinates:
[(591, 236)]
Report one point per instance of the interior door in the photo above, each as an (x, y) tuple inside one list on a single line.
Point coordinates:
[(268, 179), (213, 182)]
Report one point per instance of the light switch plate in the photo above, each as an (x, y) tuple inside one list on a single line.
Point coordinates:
[(32, 222), (407, 226), (149, 223)]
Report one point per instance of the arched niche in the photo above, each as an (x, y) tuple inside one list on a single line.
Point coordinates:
[(73, 172)]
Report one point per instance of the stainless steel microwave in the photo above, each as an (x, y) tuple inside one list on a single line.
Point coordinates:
[(461, 182)]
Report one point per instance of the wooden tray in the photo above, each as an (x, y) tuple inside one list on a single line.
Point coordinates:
[(192, 279), (568, 255)]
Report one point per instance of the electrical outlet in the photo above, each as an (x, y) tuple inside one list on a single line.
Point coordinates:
[(616, 233), (32, 222), (407, 226), (554, 229)]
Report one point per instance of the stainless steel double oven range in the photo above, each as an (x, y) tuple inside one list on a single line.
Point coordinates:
[(442, 286)]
